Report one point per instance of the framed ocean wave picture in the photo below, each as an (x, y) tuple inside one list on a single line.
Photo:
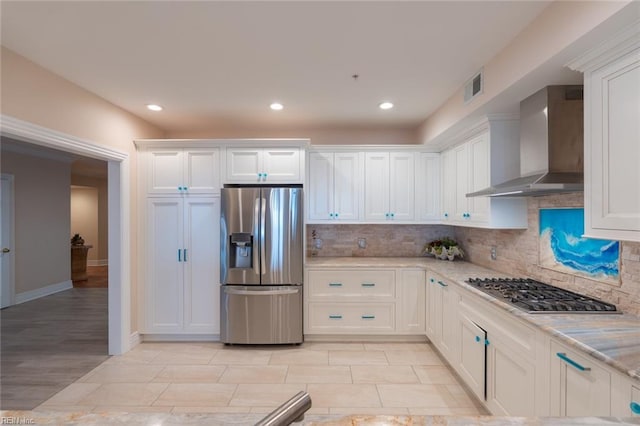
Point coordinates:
[(563, 248)]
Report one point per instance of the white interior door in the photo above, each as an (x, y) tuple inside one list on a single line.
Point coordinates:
[(6, 241)]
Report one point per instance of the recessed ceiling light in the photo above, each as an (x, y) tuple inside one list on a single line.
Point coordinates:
[(154, 107), (385, 105), (276, 106)]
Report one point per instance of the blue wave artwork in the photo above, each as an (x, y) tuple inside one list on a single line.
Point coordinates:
[(563, 248)]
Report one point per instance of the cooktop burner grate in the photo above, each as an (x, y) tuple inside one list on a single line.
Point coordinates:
[(535, 297)]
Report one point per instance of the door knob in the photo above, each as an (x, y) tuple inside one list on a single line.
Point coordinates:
[(6, 250)]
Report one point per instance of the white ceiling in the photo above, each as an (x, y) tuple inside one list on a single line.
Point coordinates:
[(220, 64)]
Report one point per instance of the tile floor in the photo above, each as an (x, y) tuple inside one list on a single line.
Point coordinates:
[(342, 378)]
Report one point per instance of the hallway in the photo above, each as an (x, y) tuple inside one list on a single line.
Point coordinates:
[(48, 343)]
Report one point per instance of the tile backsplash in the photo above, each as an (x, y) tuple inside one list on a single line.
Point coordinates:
[(381, 240)]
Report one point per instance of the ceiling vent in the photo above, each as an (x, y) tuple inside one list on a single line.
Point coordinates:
[(474, 86)]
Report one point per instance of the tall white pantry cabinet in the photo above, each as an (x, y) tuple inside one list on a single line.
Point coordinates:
[(180, 239)]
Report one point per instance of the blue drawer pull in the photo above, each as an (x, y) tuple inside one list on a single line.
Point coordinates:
[(635, 407), (442, 284), (335, 316), (335, 284), (368, 317), (571, 362), (368, 284), (477, 338), (486, 342)]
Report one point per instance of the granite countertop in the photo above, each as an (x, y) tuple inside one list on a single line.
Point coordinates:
[(168, 419), (611, 338)]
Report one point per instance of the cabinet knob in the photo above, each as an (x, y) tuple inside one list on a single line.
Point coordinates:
[(432, 280), (6, 250), (635, 407), (335, 215), (446, 215), (393, 215), (477, 338)]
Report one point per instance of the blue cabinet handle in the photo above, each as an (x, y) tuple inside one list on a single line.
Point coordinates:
[(432, 280), (635, 407), (335, 284), (185, 255), (368, 317), (443, 284), (393, 215), (446, 215), (335, 316), (335, 215), (478, 339), (368, 284), (330, 214), (386, 215), (486, 342), (185, 188), (179, 255), (571, 362)]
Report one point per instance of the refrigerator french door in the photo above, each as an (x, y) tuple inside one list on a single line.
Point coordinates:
[(261, 264)]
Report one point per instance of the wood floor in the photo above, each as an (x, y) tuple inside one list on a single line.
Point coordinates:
[(98, 277), (48, 343)]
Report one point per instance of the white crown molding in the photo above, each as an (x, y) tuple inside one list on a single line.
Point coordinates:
[(29, 150), (623, 42), (32, 133)]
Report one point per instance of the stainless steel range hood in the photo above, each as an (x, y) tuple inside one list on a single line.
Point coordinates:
[(551, 145)]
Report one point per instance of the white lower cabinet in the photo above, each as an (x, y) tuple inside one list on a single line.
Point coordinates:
[(579, 386), (182, 266), (369, 301), (442, 324), (473, 356)]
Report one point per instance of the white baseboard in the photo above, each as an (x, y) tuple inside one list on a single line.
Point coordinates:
[(364, 338), (42, 292), (99, 262), (134, 340), (180, 337)]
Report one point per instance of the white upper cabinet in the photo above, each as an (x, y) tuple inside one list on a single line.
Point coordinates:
[(389, 186), (264, 165), (486, 155), (334, 184), (427, 187), (611, 137), (183, 171)]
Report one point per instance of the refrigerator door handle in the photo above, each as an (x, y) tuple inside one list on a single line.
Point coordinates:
[(263, 242), (260, 292), (257, 242)]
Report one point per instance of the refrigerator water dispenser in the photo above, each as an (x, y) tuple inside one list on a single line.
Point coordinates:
[(241, 250)]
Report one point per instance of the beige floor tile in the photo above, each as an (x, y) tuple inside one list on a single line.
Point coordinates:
[(134, 356), (370, 411), (190, 374), (463, 398), (446, 411), (122, 373), (263, 395), (318, 374), (66, 408), (196, 395), (357, 358), (213, 410), (343, 395), (435, 375), (378, 374), (418, 346), (174, 347), (317, 410), (125, 394), (414, 395), (254, 374), (300, 357), (185, 358), (125, 409), (413, 358), (72, 394), (241, 357), (327, 346)]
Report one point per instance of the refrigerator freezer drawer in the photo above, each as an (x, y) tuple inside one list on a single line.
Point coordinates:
[(261, 314)]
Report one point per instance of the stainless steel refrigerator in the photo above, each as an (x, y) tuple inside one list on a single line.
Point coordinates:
[(261, 265)]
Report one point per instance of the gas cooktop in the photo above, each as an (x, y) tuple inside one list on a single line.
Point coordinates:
[(535, 297)]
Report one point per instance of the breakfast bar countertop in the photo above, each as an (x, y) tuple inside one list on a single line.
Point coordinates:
[(610, 338)]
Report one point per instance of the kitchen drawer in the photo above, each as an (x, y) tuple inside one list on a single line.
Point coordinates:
[(351, 317), (375, 284)]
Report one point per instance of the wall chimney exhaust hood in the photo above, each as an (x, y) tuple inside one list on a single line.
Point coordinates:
[(551, 145)]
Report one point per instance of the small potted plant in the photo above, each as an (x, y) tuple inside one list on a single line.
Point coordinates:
[(444, 248)]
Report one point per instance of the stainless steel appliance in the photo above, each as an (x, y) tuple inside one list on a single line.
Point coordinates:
[(261, 264), (536, 297)]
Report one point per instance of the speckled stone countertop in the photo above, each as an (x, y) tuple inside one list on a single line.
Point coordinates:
[(611, 338), (168, 419)]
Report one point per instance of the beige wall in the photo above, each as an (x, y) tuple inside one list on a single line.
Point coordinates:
[(101, 250), (42, 217), (518, 255), (31, 93), (84, 217)]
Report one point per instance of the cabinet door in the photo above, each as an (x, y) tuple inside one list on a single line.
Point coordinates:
[(201, 265), (434, 311), (634, 404), (427, 188), (202, 171), (473, 339), (449, 339), (612, 189), (448, 186), (411, 306), (243, 165), (321, 185), (461, 178), (347, 179), (164, 274), (281, 165), (579, 387), (479, 178), (164, 171), (402, 185), (376, 182)]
